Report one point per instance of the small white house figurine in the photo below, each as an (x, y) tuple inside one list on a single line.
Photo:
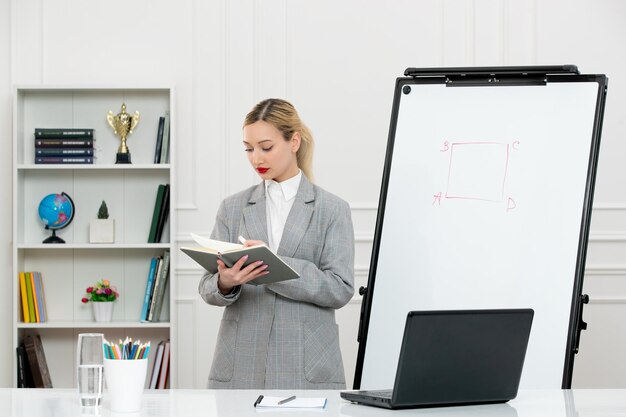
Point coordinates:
[(102, 229)]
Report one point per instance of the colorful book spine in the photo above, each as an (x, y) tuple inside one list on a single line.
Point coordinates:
[(41, 308), (31, 304), (148, 293), (64, 143), (64, 152), (35, 297), (63, 160), (24, 296), (43, 297), (159, 290), (62, 133)]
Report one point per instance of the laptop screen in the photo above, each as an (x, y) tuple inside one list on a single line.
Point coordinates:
[(462, 356)]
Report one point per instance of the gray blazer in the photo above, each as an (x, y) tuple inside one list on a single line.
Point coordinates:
[(284, 335)]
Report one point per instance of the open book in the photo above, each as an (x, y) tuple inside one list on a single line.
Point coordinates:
[(212, 250)]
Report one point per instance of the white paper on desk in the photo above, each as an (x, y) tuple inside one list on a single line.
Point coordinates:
[(299, 402)]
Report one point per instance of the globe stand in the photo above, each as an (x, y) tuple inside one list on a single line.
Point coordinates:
[(54, 238), (56, 210)]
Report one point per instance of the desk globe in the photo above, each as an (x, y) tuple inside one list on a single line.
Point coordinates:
[(56, 211)]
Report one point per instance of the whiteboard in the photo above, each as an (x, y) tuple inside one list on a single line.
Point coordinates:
[(484, 196)]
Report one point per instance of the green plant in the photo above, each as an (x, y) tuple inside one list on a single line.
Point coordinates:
[(103, 211), (101, 291)]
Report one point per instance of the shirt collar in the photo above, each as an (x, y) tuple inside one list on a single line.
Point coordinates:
[(289, 187)]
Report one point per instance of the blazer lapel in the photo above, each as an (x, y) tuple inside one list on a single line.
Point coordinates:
[(254, 215), (298, 220)]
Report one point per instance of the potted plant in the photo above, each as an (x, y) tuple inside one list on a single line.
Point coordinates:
[(102, 229), (102, 295)]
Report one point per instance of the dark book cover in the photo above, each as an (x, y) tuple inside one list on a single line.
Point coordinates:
[(21, 367), (37, 361), (61, 133), (278, 269), (155, 214), (165, 210), (165, 147), (23, 358), (64, 143), (64, 152), (41, 160), (28, 373), (159, 140)]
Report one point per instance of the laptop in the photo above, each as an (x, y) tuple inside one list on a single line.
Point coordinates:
[(456, 357)]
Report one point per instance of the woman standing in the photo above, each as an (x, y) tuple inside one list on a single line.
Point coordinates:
[(282, 335)]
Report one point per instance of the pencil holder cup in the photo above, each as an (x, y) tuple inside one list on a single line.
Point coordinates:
[(125, 381)]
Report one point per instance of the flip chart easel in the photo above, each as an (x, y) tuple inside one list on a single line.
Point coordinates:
[(485, 202)]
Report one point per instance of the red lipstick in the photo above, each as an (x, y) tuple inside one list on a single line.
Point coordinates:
[(262, 170)]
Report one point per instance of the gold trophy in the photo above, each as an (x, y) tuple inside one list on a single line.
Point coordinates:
[(123, 125)]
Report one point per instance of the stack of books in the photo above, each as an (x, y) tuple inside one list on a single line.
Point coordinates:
[(32, 296), (64, 146), (155, 288)]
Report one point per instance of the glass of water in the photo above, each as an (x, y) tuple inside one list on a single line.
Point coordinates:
[(90, 365)]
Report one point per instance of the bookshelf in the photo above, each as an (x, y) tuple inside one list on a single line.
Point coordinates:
[(129, 191)]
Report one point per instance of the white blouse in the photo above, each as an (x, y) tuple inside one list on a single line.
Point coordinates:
[(279, 199)]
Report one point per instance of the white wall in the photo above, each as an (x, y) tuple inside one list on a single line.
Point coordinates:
[(6, 283), (337, 62)]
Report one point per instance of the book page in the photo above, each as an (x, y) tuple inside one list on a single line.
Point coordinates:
[(216, 245)]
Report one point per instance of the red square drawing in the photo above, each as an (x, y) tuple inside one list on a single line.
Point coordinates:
[(477, 170)]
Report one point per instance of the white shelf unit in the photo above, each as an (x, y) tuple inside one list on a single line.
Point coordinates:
[(129, 191)]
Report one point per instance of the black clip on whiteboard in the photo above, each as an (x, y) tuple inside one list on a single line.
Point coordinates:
[(485, 202)]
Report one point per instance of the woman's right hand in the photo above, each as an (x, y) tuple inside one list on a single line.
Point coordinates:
[(238, 275)]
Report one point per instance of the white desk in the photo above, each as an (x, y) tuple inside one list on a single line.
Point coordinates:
[(238, 403)]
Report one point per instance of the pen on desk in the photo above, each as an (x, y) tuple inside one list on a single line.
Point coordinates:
[(258, 400), (286, 400)]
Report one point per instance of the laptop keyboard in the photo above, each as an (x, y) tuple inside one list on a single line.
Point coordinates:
[(386, 393)]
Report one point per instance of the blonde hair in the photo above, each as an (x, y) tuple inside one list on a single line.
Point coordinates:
[(283, 116)]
